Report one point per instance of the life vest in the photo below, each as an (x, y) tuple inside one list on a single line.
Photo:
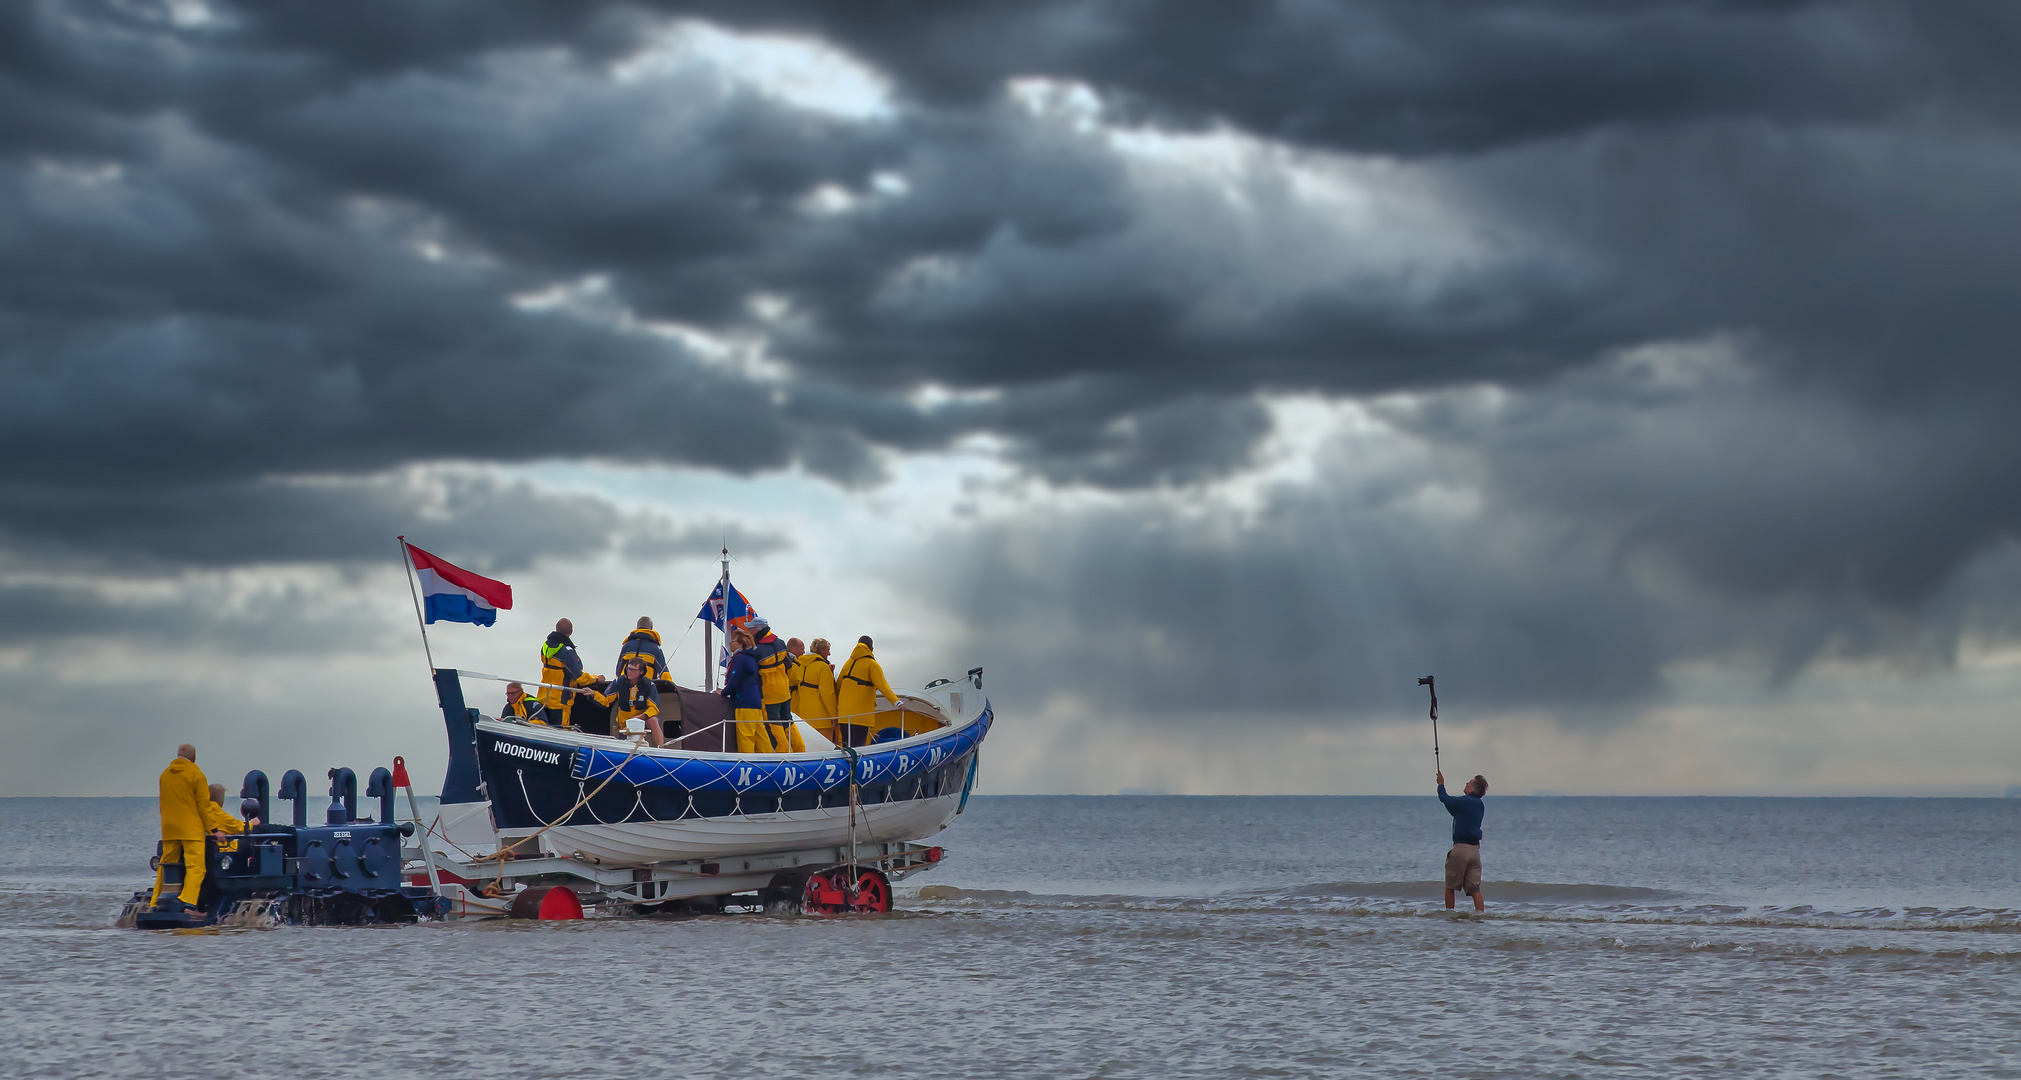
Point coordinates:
[(559, 667), (856, 689), (644, 645), (773, 664), (813, 687), (629, 699)]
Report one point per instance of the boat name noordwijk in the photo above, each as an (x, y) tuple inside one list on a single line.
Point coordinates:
[(545, 757)]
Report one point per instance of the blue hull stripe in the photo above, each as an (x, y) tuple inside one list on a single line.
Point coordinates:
[(768, 774)]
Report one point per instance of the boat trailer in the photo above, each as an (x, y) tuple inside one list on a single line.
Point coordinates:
[(345, 872), (821, 880)]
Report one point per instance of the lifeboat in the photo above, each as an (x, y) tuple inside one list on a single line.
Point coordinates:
[(613, 800)]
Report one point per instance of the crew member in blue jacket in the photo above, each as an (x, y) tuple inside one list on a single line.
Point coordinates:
[(745, 689), (1463, 862)]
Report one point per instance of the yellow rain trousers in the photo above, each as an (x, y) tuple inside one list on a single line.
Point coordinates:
[(190, 855), (754, 735)]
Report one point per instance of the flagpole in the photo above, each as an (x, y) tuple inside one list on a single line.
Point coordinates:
[(727, 645), (407, 561)]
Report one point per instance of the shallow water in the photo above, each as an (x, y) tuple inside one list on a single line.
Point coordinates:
[(1069, 937)]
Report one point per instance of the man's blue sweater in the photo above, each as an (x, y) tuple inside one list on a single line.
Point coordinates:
[(1467, 811)]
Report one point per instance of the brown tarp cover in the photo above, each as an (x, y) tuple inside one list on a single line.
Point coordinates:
[(698, 710)]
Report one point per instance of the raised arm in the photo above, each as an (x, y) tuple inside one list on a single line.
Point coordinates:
[(883, 686)]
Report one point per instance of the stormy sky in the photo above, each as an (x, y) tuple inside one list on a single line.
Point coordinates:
[(1643, 370)]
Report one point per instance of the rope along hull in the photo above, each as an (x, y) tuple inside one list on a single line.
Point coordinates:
[(661, 805)]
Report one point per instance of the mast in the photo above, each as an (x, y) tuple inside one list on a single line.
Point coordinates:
[(724, 585)]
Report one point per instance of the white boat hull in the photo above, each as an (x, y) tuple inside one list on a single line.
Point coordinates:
[(717, 838)]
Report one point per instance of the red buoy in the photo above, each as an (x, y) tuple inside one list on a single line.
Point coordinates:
[(560, 903), (547, 902)]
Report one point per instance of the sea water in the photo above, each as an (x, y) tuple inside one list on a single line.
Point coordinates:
[(1120, 936)]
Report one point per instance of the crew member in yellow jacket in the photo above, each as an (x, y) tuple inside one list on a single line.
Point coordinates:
[(775, 665), (633, 695), (856, 690), (560, 666), (185, 795), (644, 645), (218, 820), (520, 705), (814, 690)]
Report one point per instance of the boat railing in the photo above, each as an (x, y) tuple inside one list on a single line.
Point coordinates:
[(880, 735)]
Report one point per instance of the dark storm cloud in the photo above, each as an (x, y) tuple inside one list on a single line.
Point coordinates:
[(286, 619), (1326, 603), (1409, 77), (1511, 544), (337, 239), (704, 540), (480, 521), (1749, 486)]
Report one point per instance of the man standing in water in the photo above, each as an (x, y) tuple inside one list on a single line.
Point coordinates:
[(1463, 862)]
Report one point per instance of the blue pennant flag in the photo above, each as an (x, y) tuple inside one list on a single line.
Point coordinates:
[(712, 612), (712, 608)]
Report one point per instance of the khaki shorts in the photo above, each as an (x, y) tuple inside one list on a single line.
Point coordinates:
[(1463, 868)]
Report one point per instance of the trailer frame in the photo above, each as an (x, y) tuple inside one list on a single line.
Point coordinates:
[(485, 887)]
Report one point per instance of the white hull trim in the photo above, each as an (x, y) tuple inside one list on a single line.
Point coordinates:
[(644, 843)]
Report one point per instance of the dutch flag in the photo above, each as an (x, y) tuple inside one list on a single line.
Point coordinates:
[(450, 593)]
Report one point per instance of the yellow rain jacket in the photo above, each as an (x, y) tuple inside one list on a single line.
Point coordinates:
[(856, 689), (645, 645), (185, 801), (814, 692), (529, 709), (632, 699), (559, 667), (774, 663), (218, 819)]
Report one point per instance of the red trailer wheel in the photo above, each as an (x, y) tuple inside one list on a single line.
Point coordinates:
[(822, 896), (873, 892)]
